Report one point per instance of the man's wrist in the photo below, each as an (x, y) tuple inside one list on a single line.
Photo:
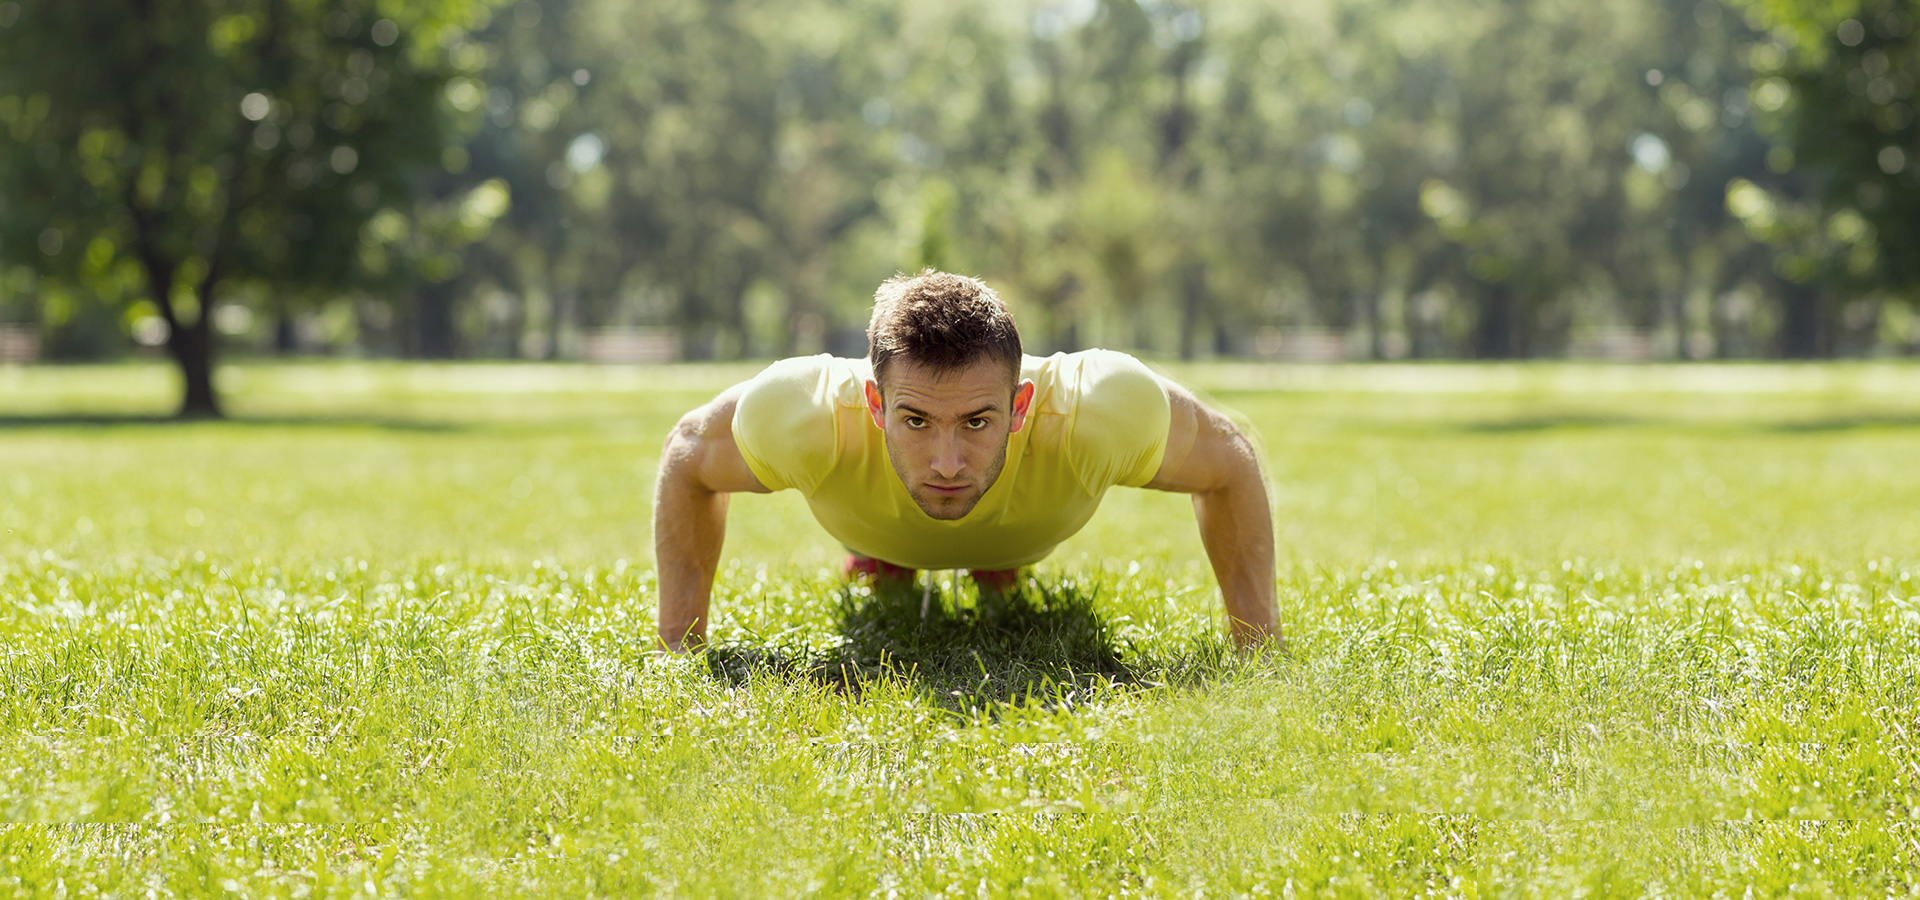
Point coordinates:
[(684, 639)]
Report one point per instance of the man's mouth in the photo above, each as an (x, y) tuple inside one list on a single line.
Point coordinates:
[(947, 490)]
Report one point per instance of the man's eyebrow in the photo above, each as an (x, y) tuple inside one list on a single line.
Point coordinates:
[(963, 417)]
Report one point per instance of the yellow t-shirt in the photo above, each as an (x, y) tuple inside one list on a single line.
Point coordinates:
[(1099, 418)]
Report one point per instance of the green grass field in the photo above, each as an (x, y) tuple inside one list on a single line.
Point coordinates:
[(1556, 631)]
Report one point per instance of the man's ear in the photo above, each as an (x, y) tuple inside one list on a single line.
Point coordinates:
[(876, 408), (1022, 404)]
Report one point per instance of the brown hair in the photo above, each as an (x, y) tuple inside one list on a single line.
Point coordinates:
[(942, 321)]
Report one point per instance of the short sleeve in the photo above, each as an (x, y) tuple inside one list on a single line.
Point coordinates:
[(1121, 414), (783, 424)]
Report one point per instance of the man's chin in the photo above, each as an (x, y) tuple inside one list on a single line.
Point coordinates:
[(946, 508)]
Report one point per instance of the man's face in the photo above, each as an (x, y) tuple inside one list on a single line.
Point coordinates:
[(947, 431)]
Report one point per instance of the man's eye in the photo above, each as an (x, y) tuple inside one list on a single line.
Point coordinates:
[(976, 424), (916, 422)]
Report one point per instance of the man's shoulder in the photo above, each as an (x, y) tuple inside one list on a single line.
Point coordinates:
[(1073, 360), (806, 368), (820, 380), (1111, 412), (786, 419), (1104, 376)]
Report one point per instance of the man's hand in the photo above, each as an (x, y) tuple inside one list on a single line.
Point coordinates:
[(699, 468), (1208, 457)]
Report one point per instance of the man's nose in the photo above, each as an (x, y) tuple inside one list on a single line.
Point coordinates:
[(949, 455)]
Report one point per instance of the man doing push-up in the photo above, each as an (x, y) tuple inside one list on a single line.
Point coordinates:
[(947, 448)]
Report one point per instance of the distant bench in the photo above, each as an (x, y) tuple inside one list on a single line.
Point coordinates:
[(19, 345), (630, 345)]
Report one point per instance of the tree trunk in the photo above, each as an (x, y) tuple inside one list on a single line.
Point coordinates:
[(285, 341), (560, 312), (1062, 319), (192, 349), (1493, 333), (1368, 305), (559, 321), (433, 336), (1802, 325), (189, 343), (1193, 284)]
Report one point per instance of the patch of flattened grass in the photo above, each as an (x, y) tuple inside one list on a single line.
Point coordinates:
[(966, 650)]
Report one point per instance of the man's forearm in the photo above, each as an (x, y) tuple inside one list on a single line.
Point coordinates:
[(689, 526), (1236, 528)]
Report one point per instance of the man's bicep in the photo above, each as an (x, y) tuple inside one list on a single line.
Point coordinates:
[(1204, 448), (713, 458)]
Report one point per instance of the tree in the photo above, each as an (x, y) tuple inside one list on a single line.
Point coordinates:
[(1837, 87), (167, 150)]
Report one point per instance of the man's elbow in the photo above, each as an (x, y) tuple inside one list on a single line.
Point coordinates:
[(1236, 458), (680, 455), (687, 431), (700, 454)]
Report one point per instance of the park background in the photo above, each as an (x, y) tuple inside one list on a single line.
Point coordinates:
[(643, 182), (1637, 623)]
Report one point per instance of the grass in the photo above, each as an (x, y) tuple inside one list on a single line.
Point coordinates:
[(1555, 631)]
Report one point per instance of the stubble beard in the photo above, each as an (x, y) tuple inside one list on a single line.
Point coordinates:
[(947, 508)]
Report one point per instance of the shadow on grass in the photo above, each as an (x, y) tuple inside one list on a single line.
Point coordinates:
[(125, 420), (1044, 644), (1846, 423), (1525, 424), (1579, 422)]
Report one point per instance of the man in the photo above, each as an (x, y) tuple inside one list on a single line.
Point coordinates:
[(948, 449)]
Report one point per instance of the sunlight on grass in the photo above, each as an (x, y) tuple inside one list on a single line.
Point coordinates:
[(390, 634)]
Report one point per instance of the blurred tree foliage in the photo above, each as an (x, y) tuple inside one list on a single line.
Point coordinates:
[(1836, 82), (1386, 178), (175, 154)]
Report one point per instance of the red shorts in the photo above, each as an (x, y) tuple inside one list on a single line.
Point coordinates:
[(888, 573)]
